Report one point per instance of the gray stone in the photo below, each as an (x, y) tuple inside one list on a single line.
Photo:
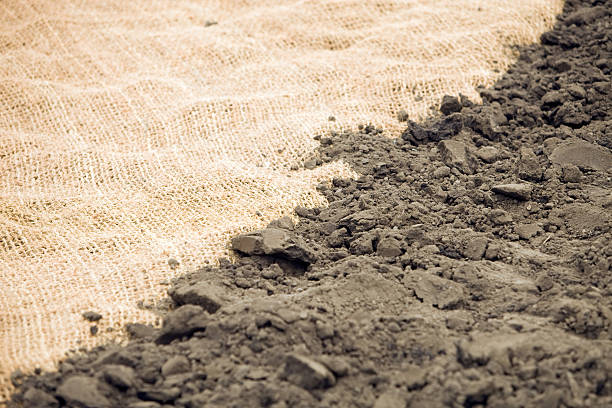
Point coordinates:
[(456, 154), (338, 365), (528, 166), (210, 296), (35, 398), (500, 217), (119, 376), (519, 191), (488, 154), (161, 395), (571, 173), (283, 223), (475, 248), (276, 242), (175, 365), (92, 316), (527, 231), (82, 391), (450, 104), (272, 272), (183, 321), (389, 247), (307, 373), (436, 291), (583, 154)]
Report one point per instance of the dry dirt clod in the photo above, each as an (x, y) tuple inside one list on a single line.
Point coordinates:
[(83, 391), (307, 373)]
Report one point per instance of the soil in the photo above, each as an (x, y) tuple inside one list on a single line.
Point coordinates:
[(468, 266)]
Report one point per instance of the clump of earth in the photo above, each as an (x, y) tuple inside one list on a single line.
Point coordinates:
[(468, 266)]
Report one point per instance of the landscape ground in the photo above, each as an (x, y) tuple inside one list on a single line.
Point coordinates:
[(468, 265)]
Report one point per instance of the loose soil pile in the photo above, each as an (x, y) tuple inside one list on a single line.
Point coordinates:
[(469, 265)]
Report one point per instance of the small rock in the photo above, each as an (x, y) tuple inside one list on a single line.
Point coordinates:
[(183, 321), (337, 365), (488, 154), (576, 91), (551, 99), (173, 263), (363, 245), (456, 154), (527, 231), (272, 272), (35, 398), (528, 166), (582, 154), (571, 173), (276, 242), (500, 217), (544, 283), (161, 395), (119, 376), (442, 172), (389, 247), (402, 116), (307, 373), (561, 65), (82, 391), (92, 316), (436, 291), (175, 365), (283, 223), (94, 330), (310, 164), (450, 104), (520, 191), (493, 250), (475, 248), (324, 330), (570, 114), (209, 296)]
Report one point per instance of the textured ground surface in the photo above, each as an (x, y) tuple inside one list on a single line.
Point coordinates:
[(469, 265)]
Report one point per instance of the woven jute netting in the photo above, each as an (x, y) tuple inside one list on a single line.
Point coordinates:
[(132, 132)]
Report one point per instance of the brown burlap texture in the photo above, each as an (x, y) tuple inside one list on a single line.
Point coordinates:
[(136, 131)]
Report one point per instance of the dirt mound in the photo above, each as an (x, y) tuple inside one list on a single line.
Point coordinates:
[(468, 265)]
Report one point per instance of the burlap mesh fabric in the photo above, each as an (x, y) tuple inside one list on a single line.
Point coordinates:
[(132, 132)]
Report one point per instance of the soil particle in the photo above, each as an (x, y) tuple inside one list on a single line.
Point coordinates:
[(450, 104), (210, 296), (468, 264), (276, 242), (307, 373), (81, 391), (92, 316), (456, 154), (119, 376), (183, 321), (36, 398)]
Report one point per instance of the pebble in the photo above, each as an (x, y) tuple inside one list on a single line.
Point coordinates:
[(520, 191), (307, 373)]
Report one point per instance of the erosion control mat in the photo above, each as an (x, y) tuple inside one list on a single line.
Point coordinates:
[(133, 133), (467, 265)]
